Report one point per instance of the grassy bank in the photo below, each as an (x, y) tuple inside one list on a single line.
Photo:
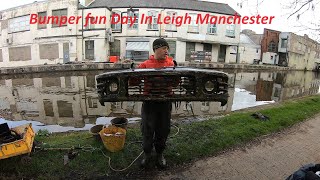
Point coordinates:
[(194, 140)]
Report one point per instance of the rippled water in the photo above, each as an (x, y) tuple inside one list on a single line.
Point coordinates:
[(68, 101)]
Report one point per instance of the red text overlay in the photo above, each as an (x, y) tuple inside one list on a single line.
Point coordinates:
[(145, 19)]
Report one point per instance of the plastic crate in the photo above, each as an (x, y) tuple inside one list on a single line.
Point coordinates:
[(21, 146)]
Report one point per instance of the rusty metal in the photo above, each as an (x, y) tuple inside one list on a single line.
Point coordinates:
[(165, 84)]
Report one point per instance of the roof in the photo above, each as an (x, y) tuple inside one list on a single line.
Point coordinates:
[(247, 41), (80, 6), (194, 5), (27, 4), (256, 38), (244, 39)]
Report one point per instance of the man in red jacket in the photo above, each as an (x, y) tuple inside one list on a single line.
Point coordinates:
[(156, 115)]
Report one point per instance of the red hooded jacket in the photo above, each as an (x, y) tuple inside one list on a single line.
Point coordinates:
[(154, 63)]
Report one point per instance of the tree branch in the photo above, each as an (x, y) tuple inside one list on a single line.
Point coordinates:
[(306, 3)]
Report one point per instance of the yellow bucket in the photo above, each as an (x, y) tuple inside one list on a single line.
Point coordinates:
[(113, 138)]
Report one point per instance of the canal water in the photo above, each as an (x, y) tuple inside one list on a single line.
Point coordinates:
[(67, 101)]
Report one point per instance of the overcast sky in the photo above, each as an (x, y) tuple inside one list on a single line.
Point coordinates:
[(249, 8)]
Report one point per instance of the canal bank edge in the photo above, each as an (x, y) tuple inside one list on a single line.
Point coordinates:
[(115, 66)]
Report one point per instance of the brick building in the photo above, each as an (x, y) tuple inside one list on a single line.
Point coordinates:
[(269, 46)]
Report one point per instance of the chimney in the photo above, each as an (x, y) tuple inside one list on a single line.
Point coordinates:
[(86, 2), (248, 32)]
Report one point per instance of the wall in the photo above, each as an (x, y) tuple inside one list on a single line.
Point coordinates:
[(248, 53), (1, 59), (181, 54), (11, 42), (270, 58)]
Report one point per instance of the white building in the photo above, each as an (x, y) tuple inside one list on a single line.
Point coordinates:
[(249, 52), (22, 43)]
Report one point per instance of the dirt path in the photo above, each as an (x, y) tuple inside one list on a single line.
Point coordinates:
[(274, 157)]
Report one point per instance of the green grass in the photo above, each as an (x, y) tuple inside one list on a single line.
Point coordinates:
[(196, 140)]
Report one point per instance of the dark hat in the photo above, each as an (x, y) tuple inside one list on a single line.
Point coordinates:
[(158, 43)]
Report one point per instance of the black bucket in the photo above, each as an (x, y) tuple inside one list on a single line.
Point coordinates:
[(120, 122), (95, 131)]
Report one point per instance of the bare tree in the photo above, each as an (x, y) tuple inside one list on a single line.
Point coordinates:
[(257, 4), (299, 7), (305, 12)]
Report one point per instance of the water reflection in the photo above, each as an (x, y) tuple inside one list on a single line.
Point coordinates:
[(244, 99), (69, 99), (282, 86)]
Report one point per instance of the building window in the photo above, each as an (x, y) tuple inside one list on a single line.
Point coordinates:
[(93, 102), (131, 16), (193, 27), (59, 13), (212, 29), (207, 47), (41, 17), (65, 109), (19, 24), (205, 106), (137, 50), (116, 27), (284, 43), (172, 49), (48, 107), (230, 31), (153, 25), (90, 25), (89, 51), (116, 105), (171, 27), (272, 47), (190, 47)]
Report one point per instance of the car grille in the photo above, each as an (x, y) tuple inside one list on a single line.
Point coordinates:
[(177, 86), (163, 85)]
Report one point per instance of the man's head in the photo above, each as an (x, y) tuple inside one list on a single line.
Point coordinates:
[(160, 48)]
